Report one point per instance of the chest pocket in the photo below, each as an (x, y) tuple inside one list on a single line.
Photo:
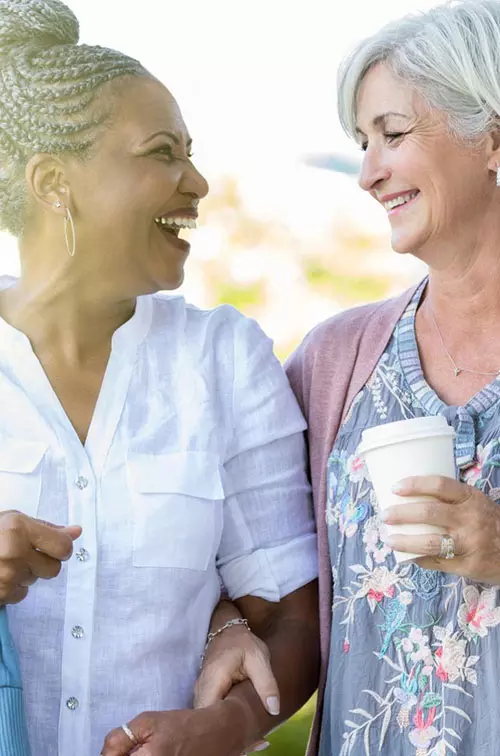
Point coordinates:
[(21, 465), (177, 509)]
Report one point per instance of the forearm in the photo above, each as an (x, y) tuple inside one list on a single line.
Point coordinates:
[(223, 612), (291, 633)]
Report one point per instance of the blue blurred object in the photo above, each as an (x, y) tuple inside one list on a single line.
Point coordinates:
[(13, 730), (336, 162)]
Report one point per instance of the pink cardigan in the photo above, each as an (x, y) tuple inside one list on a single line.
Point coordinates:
[(326, 372)]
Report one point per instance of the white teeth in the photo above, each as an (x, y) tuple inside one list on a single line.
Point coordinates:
[(178, 222), (401, 200)]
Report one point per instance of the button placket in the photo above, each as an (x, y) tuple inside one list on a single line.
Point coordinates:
[(79, 610)]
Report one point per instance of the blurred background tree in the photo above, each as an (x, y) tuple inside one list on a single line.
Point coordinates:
[(287, 282)]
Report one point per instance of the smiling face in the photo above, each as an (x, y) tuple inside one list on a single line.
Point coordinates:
[(132, 193), (434, 188)]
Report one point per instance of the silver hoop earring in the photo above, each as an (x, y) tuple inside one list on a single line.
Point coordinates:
[(68, 220), (498, 176)]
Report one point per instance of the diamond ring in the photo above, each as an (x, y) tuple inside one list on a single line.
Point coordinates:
[(447, 547)]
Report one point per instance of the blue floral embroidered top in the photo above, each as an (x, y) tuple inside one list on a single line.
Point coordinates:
[(415, 662)]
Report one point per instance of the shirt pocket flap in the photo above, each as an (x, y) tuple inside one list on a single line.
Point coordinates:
[(195, 474), (20, 456)]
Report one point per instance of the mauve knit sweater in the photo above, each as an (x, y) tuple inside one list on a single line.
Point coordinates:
[(326, 372)]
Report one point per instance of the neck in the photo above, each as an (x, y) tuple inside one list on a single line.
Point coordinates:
[(65, 315), (469, 299)]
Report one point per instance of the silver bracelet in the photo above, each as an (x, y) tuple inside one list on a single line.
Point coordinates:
[(229, 623)]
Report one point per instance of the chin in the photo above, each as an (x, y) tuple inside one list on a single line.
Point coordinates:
[(405, 244), (172, 283)]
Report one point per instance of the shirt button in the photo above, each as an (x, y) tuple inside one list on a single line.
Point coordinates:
[(82, 555), (72, 703), (81, 482), (78, 632)]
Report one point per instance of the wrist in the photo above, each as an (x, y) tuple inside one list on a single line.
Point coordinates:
[(224, 611), (238, 722), (231, 627)]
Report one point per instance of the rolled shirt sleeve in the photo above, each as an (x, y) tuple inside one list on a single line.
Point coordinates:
[(268, 547)]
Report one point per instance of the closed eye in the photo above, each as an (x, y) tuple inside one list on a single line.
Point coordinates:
[(390, 137), (394, 136), (168, 151)]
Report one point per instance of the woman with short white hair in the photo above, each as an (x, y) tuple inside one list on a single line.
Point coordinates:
[(411, 653)]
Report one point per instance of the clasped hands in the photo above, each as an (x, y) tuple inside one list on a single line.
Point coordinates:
[(216, 726)]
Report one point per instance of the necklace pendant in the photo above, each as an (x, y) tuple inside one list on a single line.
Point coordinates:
[(457, 371)]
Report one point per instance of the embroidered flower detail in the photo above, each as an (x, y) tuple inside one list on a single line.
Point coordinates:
[(424, 730), (347, 646), (451, 659), (417, 645), (356, 468), (378, 595), (375, 547), (377, 585), (427, 582), (474, 473), (478, 612)]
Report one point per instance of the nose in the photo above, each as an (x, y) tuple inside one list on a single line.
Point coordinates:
[(374, 169), (194, 183)]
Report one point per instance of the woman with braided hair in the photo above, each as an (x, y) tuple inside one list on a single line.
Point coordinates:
[(167, 434)]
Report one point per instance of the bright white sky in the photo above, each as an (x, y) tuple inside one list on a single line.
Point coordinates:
[(256, 83)]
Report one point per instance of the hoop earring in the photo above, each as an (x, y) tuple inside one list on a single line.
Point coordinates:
[(68, 220), (498, 176)]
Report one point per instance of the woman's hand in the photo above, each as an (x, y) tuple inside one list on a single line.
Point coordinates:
[(233, 656), (215, 731), (30, 549), (464, 512)]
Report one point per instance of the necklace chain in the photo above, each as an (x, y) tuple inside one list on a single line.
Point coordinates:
[(456, 369)]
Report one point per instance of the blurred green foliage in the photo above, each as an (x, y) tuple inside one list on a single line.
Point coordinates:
[(346, 286), (291, 739)]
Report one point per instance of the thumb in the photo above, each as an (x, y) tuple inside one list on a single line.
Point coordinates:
[(260, 673), (74, 531), (211, 687)]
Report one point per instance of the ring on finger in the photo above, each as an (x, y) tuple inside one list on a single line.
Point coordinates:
[(130, 735), (447, 547)]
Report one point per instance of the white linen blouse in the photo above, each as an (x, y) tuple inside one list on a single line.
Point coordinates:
[(193, 470)]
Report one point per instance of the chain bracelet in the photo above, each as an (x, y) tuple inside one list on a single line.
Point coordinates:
[(226, 626)]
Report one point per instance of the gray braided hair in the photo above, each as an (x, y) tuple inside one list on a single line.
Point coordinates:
[(48, 88)]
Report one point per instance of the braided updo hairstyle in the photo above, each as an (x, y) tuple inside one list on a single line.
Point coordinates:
[(48, 87)]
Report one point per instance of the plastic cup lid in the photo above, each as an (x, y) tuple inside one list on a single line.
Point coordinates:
[(404, 430)]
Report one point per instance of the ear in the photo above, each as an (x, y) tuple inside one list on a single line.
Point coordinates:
[(493, 150), (46, 180)]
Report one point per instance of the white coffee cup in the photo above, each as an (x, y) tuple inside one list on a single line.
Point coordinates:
[(391, 452)]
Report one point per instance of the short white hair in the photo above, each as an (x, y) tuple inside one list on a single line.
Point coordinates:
[(450, 56)]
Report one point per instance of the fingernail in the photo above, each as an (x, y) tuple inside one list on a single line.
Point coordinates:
[(384, 516), (397, 487), (261, 746), (273, 705), (389, 541)]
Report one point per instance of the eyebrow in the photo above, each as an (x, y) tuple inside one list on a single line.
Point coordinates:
[(380, 119), (169, 134)]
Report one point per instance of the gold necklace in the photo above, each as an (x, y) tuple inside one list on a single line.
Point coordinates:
[(456, 369)]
